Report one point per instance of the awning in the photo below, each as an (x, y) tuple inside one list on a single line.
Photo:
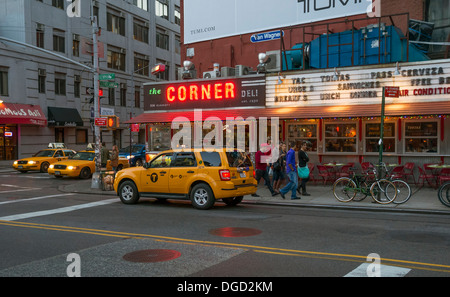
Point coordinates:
[(25, 114), (309, 112), (64, 117)]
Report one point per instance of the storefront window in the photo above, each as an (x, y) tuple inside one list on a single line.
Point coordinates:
[(340, 137), (159, 137), (302, 132), (421, 137), (8, 142), (373, 136)]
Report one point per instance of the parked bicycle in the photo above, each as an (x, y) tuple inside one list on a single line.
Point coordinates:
[(444, 194), (403, 188), (356, 187)]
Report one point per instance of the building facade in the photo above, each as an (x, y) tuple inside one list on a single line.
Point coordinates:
[(135, 36)]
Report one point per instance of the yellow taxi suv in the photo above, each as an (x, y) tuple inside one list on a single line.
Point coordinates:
[(82, 165), (200, 176), (42, 160)]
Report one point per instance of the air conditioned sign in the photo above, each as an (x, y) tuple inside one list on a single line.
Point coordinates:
[(206, 93)]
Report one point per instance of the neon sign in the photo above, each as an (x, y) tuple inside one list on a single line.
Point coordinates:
[(207, 91)]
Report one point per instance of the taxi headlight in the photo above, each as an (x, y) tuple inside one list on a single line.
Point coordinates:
[(15, 162), (33, 162), (51, 166), (72, 167)]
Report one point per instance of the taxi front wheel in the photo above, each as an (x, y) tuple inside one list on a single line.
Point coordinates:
[(128, 192), (202, 196)]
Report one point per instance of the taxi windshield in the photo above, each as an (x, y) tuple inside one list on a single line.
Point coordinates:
[(89, 156), (44, 153)]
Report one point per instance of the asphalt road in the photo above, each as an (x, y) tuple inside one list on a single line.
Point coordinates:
[(45, 232)]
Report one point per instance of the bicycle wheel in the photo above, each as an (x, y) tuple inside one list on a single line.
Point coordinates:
[(403, 191), (344, 189), (444, 194), (381, 193)]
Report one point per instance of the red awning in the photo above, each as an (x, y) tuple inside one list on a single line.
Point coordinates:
[(25, 114), (309, 112)]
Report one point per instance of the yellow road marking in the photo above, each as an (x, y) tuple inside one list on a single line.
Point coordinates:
[(259, 249)]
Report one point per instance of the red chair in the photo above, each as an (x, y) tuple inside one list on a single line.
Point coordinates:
[(344, 171), (325, 174), (430, 170), (444, 175), (408, 170), (424, 176), (397, 172), (367, 169)]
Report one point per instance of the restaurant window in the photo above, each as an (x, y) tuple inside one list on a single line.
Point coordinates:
[(303, 132), (372, 137), (340, 137), (160, 137), (421, 137)]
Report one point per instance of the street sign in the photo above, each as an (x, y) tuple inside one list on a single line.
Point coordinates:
[(134, 127), (107, 76), (101, 121), (267, 36), (108, 84), (393, 92)]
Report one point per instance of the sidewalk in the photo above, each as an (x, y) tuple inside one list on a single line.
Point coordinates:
[(423, 200)]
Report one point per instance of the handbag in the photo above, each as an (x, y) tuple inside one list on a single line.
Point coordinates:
[(303, 172)]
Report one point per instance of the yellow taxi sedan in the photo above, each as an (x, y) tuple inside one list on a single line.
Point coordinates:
[(81, 165), (42, 160)]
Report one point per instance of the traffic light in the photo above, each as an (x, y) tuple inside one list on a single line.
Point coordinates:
[(158, 68), (100, 92), (112, 122)]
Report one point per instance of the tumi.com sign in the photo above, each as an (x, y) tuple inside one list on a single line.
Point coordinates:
[(206, 93), (205, 20)]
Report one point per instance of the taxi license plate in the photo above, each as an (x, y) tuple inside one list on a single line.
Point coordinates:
[(57, 172), (20, 166), (242, 174)]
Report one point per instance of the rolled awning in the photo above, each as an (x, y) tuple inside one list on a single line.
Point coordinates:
[(64, 117), (304, 112), (25, 114)]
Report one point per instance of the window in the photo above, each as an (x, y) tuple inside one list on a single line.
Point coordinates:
[(340, 137), (211, 159), (141, 64), (162, 39), (142, 4), (162, 161), (372, 137), (115, 22), (41, 80), (58, 3), (177, 15), (137, 97), (40, 35), (76, 45), (116, 58), (4, 82), (81, 136), (60, 86), (59, 41), (301, 132), (123, 95), (162, 9), (77, 86), (185, 160), (421, 137), (111, 96), (140, 31)]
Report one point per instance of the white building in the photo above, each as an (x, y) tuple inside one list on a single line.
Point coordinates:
[(46, 99)]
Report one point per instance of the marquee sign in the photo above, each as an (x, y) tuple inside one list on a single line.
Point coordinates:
[(205, 93), (417, 82)]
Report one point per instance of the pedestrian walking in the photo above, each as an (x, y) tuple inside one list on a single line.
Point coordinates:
[(279, 168), (291, 172), (261, 168), (104, 155), (303, 160), (114, 158)]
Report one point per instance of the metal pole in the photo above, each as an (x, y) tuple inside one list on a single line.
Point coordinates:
[(380, 157), (96, 180)]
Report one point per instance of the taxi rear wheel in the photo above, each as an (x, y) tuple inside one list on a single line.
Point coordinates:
[(233, 200), (44, 167), (202, 196), (128, 192), (85, 172)]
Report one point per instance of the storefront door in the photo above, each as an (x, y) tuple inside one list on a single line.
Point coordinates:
[(8, 142)]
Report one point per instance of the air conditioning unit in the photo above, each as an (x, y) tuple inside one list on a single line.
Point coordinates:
[(274, 64), (242, 70), (211, 74), (227, 72)]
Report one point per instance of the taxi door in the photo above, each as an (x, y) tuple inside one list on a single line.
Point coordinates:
[(183, 170), (155, 179)]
